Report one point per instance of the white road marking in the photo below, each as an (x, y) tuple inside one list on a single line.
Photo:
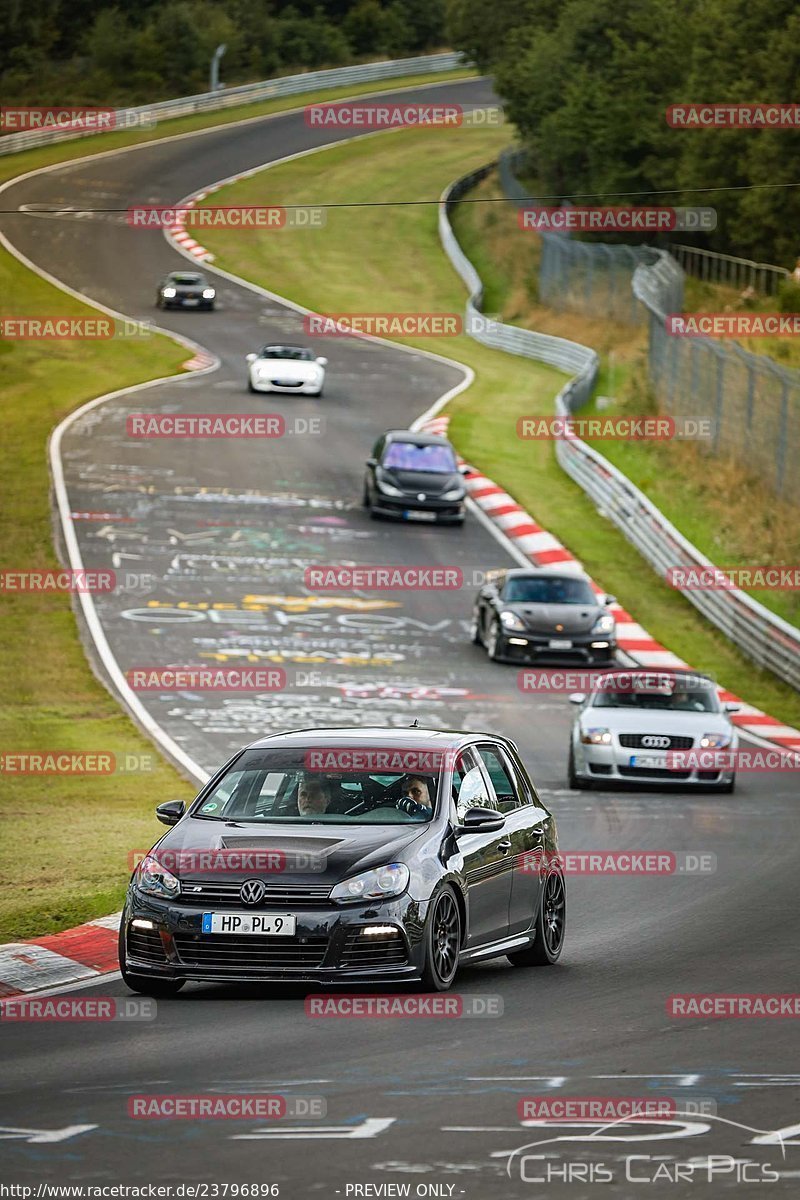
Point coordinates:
[(41, 1136), (370, 1127)]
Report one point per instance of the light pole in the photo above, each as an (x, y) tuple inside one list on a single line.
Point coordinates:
[(214, 78)]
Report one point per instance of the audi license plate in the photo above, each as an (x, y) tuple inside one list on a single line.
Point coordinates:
[(652, 762), (560, 644), (269, 924)]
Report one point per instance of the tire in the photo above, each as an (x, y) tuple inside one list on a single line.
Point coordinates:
[(494, 643), (580, 785), (365, 498), (159, 988), (250, 387), (550, 926), (475, 634), (442, 942)]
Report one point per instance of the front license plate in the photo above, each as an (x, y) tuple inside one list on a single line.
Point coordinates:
[(270, 924), (412, 514), (560, 644), (652, 762), (190, 303)]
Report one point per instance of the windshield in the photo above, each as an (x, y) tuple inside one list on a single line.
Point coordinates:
[(295, 352), (548, 589), (285, 787), (694, 698), (407, 456), (191, 279)]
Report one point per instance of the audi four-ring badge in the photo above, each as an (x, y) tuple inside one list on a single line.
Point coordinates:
[(658, 727), (349, 855)]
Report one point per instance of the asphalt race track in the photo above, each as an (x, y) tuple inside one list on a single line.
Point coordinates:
[(233, 524)]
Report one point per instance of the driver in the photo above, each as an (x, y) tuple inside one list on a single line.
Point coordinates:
[(313, 796), (415, 797)]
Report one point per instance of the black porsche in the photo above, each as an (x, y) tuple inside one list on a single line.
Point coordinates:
[(349, 856), (543, 613)]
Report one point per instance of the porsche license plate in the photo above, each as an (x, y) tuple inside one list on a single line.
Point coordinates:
[(266, 924), (560, 644)]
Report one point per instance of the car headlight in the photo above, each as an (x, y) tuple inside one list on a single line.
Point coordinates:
[(209, 293), (377, 884), (454, 494), (604, 624), (154, 879), (598, 735), (169, 292), (715, 741), (510, 620), (388, 489)]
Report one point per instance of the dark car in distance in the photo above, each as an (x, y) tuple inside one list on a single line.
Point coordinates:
[(186, 289), (414, 477), (537, 613), (350, 856)]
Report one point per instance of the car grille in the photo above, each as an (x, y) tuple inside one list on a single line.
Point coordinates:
[(226, 892), (373, 950), (246, 954), (287, 382), (146, 946), (653, 773), (635, 741)]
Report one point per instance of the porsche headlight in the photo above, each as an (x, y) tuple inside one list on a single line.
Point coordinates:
[(377, 884), (604, 624), (155, 880), (209, 293), (510, 620), (169, 292)]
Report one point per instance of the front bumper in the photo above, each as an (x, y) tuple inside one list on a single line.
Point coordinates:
[(524, 646), (329, 945), (187, 302), (445, 511), (613, 762), (309, 388)]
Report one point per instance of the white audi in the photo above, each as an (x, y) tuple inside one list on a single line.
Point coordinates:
[(654, 727), (286, 369)]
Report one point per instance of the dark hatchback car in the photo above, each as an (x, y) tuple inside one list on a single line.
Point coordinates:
[(414, 476), (185, 289), (349, 856), (543, 613)]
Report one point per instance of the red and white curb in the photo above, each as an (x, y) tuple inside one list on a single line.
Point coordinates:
[(74, 956), (545, 550), (177, 231)]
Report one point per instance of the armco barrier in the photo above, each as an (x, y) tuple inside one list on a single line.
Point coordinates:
[(248, 93), (766, 638)]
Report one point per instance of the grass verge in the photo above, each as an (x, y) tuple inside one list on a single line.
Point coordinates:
[(64, 856), (379, 259)]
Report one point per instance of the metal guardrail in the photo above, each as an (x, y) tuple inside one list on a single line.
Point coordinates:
[(729, 270), (763, 636), (248, 93)]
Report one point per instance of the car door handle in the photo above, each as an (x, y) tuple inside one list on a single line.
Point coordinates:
[(504, 846)]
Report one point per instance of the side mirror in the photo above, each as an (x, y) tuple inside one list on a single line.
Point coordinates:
[(170, 812), (610, 599), (464, 469), (577, 697), (481, 820), (372, 462), (731, 707), (251, 358), (323, 362)]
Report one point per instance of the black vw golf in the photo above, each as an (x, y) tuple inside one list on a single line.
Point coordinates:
[(349, 856)]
